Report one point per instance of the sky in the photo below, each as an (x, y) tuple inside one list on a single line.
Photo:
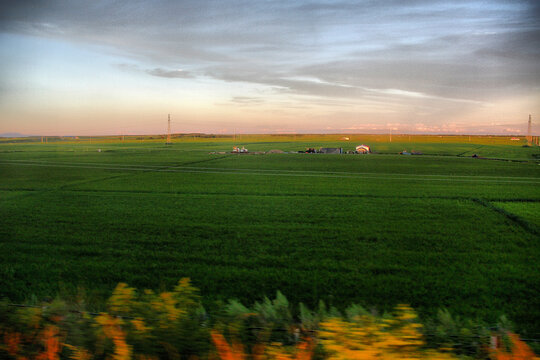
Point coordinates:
[(249, 66)]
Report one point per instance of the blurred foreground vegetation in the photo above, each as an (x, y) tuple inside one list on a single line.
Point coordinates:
[(174, 325)]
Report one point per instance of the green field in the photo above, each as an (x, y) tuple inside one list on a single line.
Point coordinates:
[(437, 230)]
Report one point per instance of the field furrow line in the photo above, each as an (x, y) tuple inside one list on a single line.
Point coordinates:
[(290, 173)]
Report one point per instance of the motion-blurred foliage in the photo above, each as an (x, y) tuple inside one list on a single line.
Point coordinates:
[(174, 325)]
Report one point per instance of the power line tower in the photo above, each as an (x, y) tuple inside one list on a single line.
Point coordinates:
[(169, 131), (529, 131)]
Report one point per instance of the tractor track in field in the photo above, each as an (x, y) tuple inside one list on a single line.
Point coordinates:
[(144, 170), (471, 150), (66, 186), (119, 192), (182, 168)]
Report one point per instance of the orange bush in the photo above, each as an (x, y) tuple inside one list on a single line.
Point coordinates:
[(276, 351), (519, 351)]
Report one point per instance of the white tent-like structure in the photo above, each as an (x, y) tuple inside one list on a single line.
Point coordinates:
[(363, 149)]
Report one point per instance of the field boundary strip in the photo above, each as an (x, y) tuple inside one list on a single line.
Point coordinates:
[(123, 192), (182, 166), (524, 224), (294, 173)]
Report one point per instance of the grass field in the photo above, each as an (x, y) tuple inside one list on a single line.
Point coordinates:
[(437, 230)]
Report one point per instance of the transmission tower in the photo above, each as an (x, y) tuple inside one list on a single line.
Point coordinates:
[(169, 130), (529, 131)]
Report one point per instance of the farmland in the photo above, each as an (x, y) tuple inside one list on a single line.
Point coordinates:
[(437, 230)]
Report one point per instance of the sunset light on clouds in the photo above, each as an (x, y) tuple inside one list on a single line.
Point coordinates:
[(115, 67)]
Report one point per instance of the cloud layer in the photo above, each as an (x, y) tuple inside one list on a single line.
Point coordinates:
[(437, 60)]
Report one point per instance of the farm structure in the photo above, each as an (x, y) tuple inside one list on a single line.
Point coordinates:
[(363, 149), (239, 150), (331, 150)]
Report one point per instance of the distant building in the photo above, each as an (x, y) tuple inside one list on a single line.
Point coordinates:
[(363, 149), (239, 150), (331, 150)]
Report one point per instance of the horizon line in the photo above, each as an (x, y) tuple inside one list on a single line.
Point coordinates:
[(20, 136)]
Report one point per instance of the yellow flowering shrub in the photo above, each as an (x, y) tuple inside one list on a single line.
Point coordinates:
[(122, 300), (172, 325), (112, 329), (369, 337)]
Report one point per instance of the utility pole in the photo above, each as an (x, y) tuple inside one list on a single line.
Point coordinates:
[(169, 130)]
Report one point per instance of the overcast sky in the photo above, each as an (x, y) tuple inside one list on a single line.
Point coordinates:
[(112, 67)]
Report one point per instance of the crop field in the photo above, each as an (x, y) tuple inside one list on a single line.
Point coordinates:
[(438, 230)]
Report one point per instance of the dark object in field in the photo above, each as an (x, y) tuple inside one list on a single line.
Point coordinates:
[(331, 150), (416, 153), (475, 156), (310, 151)]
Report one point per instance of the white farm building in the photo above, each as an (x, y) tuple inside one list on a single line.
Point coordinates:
[(363, 149)]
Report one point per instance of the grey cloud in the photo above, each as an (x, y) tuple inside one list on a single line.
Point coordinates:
[(283, 84), (159, 72), (459, 49), (476, 66), (246, 100), (172, 74)]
